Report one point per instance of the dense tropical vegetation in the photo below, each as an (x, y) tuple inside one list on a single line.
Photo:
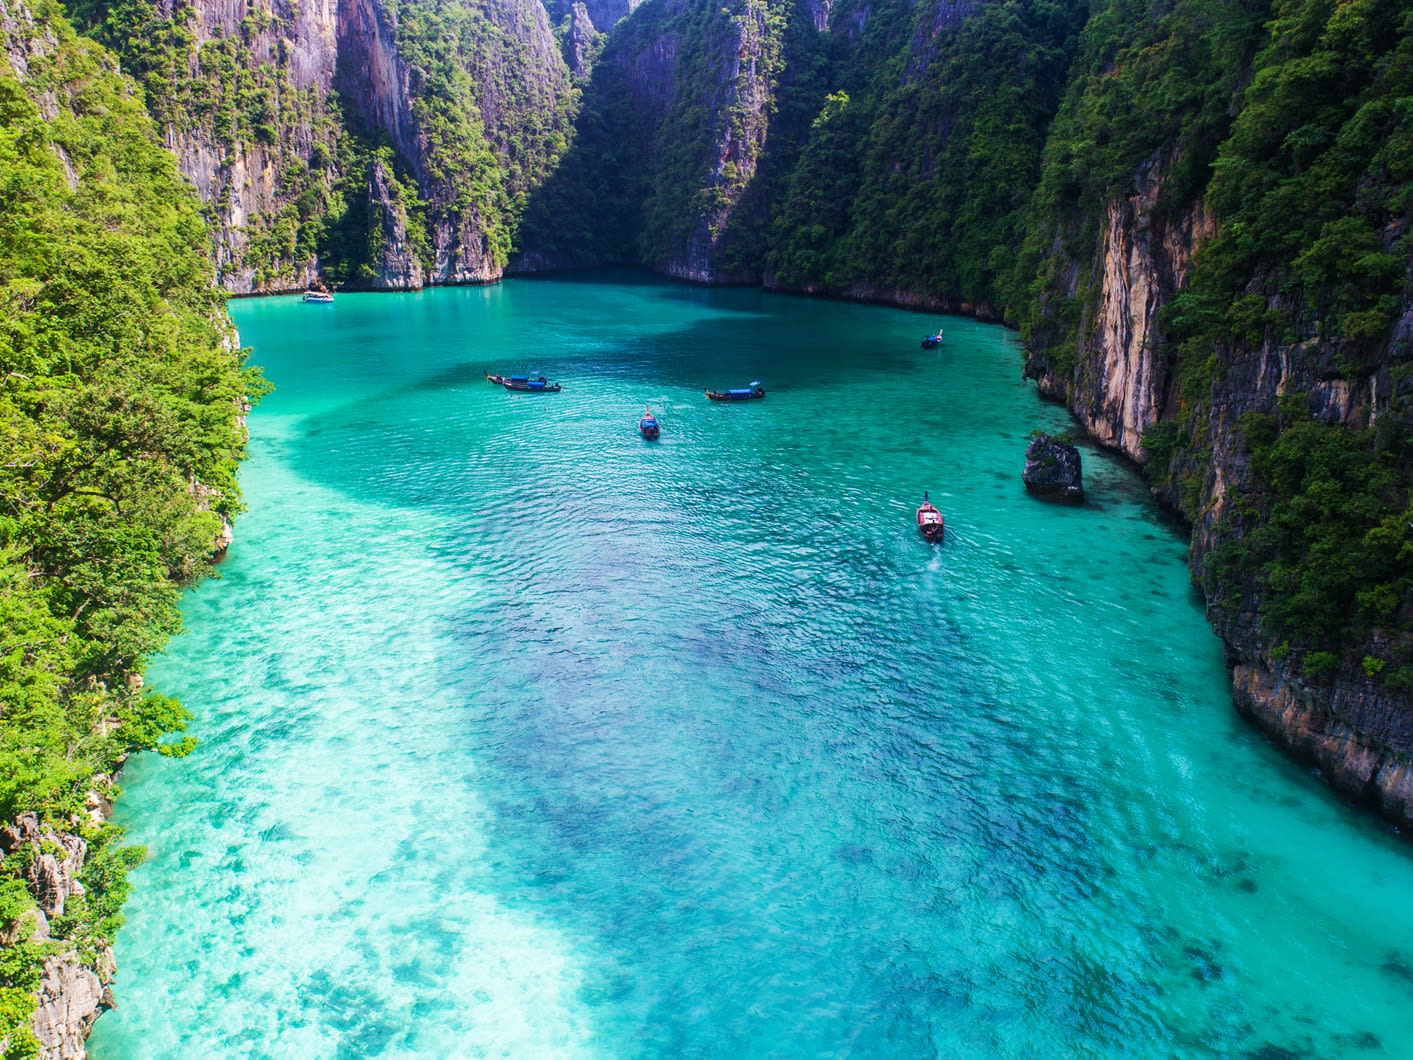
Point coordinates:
[(120, 399), (933, 153), (1313, 191), (239, 92)]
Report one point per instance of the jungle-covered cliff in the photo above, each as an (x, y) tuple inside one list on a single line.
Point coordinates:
[(1221, 254), (122, 400), (376, 143), (868, 148)]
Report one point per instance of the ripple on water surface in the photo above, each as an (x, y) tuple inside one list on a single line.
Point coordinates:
[(522, 736)]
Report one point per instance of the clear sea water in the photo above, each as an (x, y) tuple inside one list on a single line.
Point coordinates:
[(524, 737)]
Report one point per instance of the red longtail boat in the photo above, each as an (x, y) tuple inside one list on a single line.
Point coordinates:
[(929, 520)]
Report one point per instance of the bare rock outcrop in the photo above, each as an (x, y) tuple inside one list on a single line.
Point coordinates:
[(579, 41), (397, 268), (1052, 469), (71, 994), (1121, 385), (55, 860), (1335, 733), (71, 998)]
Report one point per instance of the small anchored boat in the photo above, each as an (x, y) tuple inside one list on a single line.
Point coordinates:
[(318, 294), (525, 384), (931, 342), (648, 425), (741, 393), (929, 520)]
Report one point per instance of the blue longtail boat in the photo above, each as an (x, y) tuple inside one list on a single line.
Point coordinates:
[(742, 393)]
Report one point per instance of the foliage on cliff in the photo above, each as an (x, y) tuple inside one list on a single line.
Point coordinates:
[(1149, 85), (1326, 539), (119, 400), (589, 211), (236, 93), (918, 181), (490, 106), (463, 62), (662, 143), (903, 142), (1291, 123), (1313, 190)]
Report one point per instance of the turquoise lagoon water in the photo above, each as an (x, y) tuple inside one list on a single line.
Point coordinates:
[(523, 737)]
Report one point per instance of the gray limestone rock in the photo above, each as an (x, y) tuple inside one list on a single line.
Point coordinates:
[(71, 994), (579, 41), (71, 998), (1052, 469)]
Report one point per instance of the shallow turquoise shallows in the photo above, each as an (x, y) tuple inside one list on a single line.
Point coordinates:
[(522, 736)]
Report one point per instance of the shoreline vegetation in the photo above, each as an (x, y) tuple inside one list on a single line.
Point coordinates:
[(122, 402)]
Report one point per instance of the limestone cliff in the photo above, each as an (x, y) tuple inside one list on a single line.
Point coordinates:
[(1345, 718), (73, 992), (249, 115), (1120, 383), (601, 14), (1194, 411), (276, 111), (674, 118), (746, 56)]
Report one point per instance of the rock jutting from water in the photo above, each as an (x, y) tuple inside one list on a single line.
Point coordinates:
[(1052, 469), (73, 992)]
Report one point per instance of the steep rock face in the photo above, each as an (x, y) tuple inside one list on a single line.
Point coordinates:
[(749, 60), (373, 77), (55, 860), (1276, 381), (71, 998), (675, 123), (1121, 383), (463, 254), (602, 14), (250, 164), (21, 38), (1351, 736), (71, 995), (477, 101), (579, 40), (520, 91), (1348, 724), (1145, 258), (591, 210), (276, 107), (396, 268)]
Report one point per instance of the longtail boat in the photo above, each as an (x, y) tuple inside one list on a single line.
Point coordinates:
[(527, 385), (929, 520), (741, 393)]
